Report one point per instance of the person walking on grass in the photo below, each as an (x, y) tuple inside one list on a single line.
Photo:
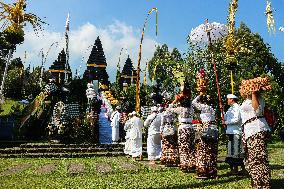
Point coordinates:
[(135, 136), (207, 147), (153, 122), (256, 132), (235, 153), (127, 128), (170, 153), (186, 132)]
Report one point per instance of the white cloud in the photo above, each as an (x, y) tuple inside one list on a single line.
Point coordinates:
[(113, 37)]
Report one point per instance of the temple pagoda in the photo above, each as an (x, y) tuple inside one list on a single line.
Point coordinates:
[(60, 70), (128, 74), (96, 64)]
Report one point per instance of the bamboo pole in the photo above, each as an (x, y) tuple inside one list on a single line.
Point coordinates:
[(137, 107), (2, 100), (216, 77)]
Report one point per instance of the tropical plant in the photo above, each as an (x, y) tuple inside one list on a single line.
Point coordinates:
[(166, 68), (14, 19)]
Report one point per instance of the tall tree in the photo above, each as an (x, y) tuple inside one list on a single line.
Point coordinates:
[(254, 58), (166, 67)]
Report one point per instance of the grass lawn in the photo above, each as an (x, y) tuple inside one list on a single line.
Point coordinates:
[(141, 176), (6, 107)]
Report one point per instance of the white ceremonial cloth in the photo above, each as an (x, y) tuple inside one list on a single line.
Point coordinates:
[(114, 118), (135, 136), (154, 148)]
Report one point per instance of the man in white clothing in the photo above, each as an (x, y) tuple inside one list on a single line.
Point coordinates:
[(127, 128), (135, 136), (115, 118), (154, 148), (234, 132)]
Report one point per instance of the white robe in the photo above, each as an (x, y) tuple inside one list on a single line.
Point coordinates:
[(115, 118), (154, 148), (127, 145), (135, 136)]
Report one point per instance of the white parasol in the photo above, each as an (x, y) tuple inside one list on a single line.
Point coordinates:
[(199, 35), (206, 34)]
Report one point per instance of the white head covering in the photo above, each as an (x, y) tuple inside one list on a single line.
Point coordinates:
[(134, 113), (117, 108), (51, 80), (231, 96), (154, 109), (90, 85)]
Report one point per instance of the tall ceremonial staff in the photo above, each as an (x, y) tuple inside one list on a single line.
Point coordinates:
[(137, 107), (67, 66), (43, 61), (230, 42), (205, 34)]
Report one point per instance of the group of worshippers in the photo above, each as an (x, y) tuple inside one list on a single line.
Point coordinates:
[(178, 140)]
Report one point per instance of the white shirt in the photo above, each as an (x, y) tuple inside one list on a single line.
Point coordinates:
[(114, 118), (248, 112), (207, 112), (185, 115), (127, 128), (136, 130), (233, 119), (154, 123)]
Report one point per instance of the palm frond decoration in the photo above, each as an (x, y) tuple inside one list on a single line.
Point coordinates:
[(14, 18)]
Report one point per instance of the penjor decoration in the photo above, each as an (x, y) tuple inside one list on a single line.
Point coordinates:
[(13, 19), (270, 19), (137, 107), (230, 41)]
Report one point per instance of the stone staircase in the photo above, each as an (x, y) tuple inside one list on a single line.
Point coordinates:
[(50, 150)]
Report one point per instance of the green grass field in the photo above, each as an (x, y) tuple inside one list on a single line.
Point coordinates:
[(139, 175), (6, 107)]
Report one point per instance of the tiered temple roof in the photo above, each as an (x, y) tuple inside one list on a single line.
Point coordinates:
[(60, 63), (96, 64), (58, 68), (128, 73)]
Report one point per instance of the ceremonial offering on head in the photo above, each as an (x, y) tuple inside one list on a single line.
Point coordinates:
[(201, 82), (256, 84)]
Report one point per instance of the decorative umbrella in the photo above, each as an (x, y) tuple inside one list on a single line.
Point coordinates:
[(205, 34), (199, 35)]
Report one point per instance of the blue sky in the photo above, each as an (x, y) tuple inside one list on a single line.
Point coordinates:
[(119, 24)]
